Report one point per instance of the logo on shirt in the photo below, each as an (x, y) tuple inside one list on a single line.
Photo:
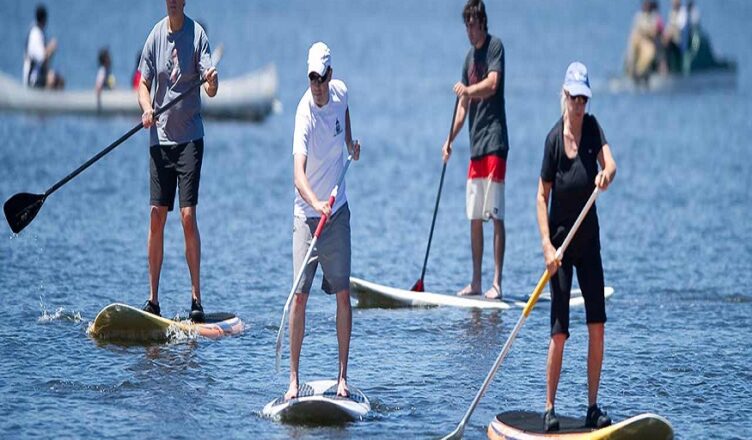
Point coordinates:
[(173, 66), (337, 128)]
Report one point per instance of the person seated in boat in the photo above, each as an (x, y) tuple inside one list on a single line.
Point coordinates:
[(136, 76), (642, 47), (105, 78), (675, 38), (38, 55), (574, 150)]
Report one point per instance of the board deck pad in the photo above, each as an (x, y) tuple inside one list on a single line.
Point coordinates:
[(373, 295), (121, 322), (318, 404), (528, 425)]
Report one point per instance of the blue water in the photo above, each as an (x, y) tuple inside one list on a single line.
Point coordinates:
[(674, 227)]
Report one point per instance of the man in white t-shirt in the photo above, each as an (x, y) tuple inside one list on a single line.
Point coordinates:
[(36, 69), (322, 129)]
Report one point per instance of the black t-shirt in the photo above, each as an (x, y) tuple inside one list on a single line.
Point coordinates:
[(488, 119), (573, 180)]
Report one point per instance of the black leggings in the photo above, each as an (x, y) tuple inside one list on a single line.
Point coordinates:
[(587, 260)]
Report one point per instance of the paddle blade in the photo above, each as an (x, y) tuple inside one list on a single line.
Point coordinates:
[(21, 209), (418, 286)]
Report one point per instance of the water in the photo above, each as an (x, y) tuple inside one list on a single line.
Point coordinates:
[(675, 230)]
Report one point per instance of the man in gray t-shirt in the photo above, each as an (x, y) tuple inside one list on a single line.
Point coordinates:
[(176, 55), (480, 95)]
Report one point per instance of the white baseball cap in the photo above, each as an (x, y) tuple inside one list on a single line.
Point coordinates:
[(576, 81), (319, 58)]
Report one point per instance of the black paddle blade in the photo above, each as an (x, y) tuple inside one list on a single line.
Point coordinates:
[(21, 209), (418, 286)]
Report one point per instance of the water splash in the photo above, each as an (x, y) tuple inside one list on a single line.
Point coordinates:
[(60, 314)]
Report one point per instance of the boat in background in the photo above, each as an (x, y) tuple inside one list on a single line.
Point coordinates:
[(251, 97), (697, 69)]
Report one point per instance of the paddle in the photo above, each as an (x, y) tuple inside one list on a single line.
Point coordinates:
[(457, 433), (418, 286), (299, 276), (21, 208)]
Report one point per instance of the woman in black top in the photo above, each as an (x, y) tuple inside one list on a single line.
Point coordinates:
[(574, 148)]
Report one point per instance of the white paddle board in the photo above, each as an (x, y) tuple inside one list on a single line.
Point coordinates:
[(371, 294), (318, 404)]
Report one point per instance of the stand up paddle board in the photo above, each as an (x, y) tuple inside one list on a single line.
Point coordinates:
[(127, 323), (318, 404), (371, 294), (528, 425)]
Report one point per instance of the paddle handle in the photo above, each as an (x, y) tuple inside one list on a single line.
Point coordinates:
[(120, 140)]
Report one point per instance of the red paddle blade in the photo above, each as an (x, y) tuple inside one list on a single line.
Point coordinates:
[(418, 286)]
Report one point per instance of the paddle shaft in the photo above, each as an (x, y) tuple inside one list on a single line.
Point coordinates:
[(438, 199), (120, 140), (457, 433), (299, 276)]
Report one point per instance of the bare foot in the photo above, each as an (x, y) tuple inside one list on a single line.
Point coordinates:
[(469, 291), (292, 391), (493, 293), (342, 390)]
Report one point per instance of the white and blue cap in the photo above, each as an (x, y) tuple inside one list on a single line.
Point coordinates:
[(319, 58), (576, 81)]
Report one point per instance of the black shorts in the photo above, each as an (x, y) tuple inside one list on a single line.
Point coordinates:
[(172, 166), (587, 259)]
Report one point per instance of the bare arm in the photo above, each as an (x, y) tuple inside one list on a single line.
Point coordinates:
[(304, 187), (549, 252), (480, 90), (144, 100), (608, 168), (212, 82), (458, 122), (352, 147)]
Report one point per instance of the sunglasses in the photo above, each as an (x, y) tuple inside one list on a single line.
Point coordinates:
[(579, 99), (315, 78)]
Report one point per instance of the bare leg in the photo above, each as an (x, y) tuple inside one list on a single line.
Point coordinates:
[(297, 332), (553, 367), (344, 330), (155, 249), (476, 245), (499, 246), (595, 360), (192, 249)]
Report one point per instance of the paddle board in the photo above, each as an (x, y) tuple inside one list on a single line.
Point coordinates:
[(528, 425), (371, 294), (318, 404), (127, 323)]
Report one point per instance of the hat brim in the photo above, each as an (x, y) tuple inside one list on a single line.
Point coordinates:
[(578, 90), (318, 68)]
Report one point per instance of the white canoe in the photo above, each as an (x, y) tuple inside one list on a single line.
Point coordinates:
[(724, 79), (249, 97), (371, 294), (318, 404)]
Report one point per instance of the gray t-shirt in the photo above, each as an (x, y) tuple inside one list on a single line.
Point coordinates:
[(488, 118), (173, 62)]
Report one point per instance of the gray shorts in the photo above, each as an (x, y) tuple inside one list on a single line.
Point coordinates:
[(332, 251)]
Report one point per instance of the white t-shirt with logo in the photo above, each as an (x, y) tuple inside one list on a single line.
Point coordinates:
[(320, 135)]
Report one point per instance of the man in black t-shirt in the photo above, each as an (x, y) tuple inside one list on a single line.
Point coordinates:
[(481, 97)]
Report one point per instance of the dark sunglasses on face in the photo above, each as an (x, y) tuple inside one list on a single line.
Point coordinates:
[(579, 99), (315, 78)]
